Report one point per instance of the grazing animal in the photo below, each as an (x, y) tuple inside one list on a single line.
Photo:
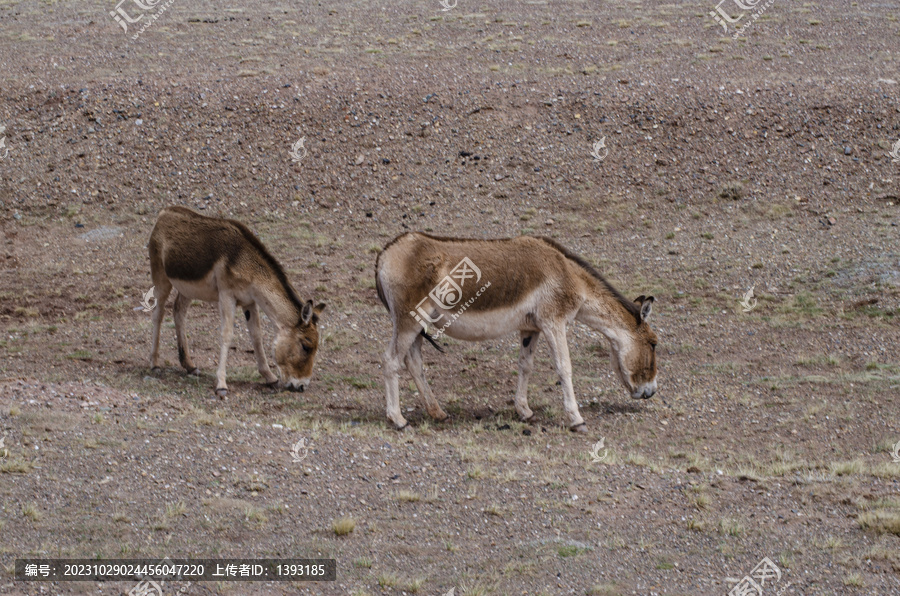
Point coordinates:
[(482, 289), (220, 260)]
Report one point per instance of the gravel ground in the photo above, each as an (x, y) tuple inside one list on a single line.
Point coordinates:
[(725, 165)]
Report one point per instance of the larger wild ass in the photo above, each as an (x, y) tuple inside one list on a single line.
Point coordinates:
[(482, 289), (220, 260)]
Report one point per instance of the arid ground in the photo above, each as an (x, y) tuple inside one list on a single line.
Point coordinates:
[(726, 165)]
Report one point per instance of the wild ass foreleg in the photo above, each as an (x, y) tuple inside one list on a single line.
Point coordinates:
[(559, 349), (393, 363), (526, 363), (162, 287), (226, 322), (416, 368), (262, 364), (182, 303)]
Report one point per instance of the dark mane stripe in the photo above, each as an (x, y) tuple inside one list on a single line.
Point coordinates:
[(276, 267), (632, 307)]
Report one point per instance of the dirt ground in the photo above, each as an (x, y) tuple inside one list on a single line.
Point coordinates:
[(726, 165)]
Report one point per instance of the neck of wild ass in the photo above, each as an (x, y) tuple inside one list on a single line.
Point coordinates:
[(279, 302), (602, 312)]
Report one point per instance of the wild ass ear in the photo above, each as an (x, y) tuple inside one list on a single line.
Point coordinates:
[(307, 312), (646, 304), (317, 310)]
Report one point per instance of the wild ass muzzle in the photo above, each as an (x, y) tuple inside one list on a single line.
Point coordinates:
[(477, 290), (221, 260)]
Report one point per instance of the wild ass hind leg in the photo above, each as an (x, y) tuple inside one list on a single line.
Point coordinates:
[(262, 364), (182, 303), (394, 356), (162, 288), (416, 367), (559, 349), (526, 364), (226, 323)]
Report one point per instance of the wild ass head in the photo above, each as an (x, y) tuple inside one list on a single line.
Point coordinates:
[(634, 353), (295, 348)]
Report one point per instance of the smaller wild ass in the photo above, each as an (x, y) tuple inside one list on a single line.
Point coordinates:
[(220, 260), (478, 290)]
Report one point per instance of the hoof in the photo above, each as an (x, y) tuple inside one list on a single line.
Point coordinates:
[(222, 393), (529, 420), (579, 428), (404, 429), (156, 370), (195, 372), (441, 417), (273, 385)]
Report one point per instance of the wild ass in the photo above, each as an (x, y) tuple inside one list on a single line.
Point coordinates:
[(220, 260), (482, 289)]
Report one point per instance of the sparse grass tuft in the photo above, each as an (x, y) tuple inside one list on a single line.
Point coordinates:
[(604, 590), (732, 527), (880, 521), (343, 525), (363, 562), (406, 496), (388, 580), (32, 512), (175, 509), (256, 515)]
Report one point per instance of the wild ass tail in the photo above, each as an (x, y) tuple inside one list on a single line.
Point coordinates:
[(432, 342)]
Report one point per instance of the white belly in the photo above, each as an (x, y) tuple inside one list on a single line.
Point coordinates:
[(481, 325)]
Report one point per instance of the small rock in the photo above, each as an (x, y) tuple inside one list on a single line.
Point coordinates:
[(359, 160), (138, 122), (549, 222), (848, 150)]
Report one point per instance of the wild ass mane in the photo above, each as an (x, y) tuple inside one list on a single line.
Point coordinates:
[(630, 306), (271, 261)]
